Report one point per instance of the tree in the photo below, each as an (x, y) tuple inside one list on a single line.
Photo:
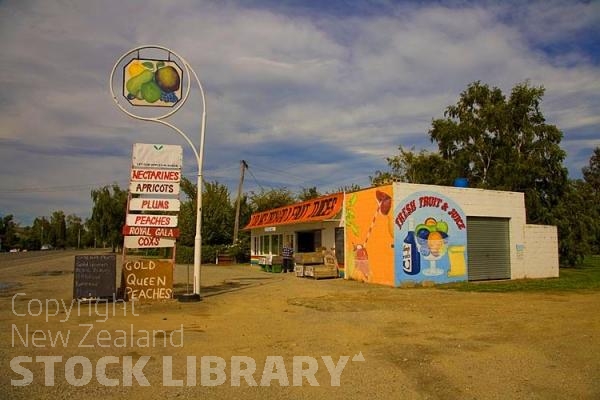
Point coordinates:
[(505, 145), (217, 214), (575, 219), (75, 230), (108, 215), (502, 144), (348, 189), (591, 173), (591, 176), (308, 194), (58, 229), (8, 234), (40, 230), (268, 199), (424, 167)]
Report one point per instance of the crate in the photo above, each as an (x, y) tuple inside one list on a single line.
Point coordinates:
[(309, 258), (277, 268), (308, 270), (324, 271)]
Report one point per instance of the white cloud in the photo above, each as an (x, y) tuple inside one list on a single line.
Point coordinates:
[(352, 87)]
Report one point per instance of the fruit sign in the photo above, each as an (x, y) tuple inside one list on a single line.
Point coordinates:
[(152, 82), (147, 242), (430, 239), (147, 279)]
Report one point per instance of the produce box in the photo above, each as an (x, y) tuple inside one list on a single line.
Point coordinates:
[(277, 260), (309, 258), (276, 268), (324, 271)]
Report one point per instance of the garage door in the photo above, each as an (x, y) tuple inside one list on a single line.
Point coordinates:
[(488, 248)]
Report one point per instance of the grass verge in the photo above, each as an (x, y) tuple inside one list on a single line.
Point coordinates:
[(583, 277)]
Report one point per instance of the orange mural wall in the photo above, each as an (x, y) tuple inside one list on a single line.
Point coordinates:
[(369, 234)]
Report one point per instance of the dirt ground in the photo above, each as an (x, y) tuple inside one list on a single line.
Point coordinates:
[(421, 343)]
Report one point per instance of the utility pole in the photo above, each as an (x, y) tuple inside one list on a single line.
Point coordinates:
[(236, 226)]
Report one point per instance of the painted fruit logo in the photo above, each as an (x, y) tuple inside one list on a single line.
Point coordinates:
[(152, 83)]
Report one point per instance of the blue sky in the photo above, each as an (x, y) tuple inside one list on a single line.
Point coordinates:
[(309, 93)]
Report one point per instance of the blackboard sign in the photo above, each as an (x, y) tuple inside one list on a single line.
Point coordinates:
[(94, 276)]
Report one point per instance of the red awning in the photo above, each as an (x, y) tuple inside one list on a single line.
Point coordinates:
[(318, 209)]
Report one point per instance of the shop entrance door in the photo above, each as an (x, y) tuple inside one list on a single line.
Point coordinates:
[(339, 246), (308, 241)]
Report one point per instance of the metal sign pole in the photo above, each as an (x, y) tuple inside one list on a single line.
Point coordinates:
[(199, 153)]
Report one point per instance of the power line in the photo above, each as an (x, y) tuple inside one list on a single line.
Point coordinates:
[(49, 189), (254, 177)]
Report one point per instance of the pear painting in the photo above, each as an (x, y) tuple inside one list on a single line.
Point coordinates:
[(152, 83)]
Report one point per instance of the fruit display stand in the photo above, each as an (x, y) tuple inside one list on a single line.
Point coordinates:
[(276, 264), (305, 261), (326, 270), (271, 264), (316, 265), (263, 263)]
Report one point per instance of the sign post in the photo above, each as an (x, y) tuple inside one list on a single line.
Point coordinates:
[(164, 89)]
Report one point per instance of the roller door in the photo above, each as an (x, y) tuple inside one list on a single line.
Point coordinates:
[(488, 247)]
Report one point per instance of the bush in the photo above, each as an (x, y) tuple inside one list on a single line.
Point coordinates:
[(185, 254), (241, 252)]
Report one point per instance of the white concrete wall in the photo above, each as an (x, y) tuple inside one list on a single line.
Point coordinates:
[(540, 252), (484, 203)]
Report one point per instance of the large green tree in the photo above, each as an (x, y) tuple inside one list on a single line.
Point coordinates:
[(75, 231), (308, 194), (424, 167), (591, 173), (40, 232), (591, 176), (273, 198), (8, 234), (108, 215), (58, 229), (505, 144), (217, 214)]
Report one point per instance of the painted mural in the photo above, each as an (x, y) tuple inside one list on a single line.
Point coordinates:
[(370, 236), (430, 239), (152, 82)]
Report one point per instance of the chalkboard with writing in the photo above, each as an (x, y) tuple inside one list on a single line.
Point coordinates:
[(94, 276)]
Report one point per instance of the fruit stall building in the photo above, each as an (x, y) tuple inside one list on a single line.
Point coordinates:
[(405, 233)]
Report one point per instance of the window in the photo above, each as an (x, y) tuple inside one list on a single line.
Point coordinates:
[(269, 244), (276, 244)]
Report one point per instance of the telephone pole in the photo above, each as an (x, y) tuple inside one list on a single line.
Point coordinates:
[(236, 226)]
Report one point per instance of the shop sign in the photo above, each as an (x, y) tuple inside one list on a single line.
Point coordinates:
[(154, 188), (146, 279), (163, 221), (155, 175), (147, 204), (150, 231), (317, 209), (144, 242), (430, 238)]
